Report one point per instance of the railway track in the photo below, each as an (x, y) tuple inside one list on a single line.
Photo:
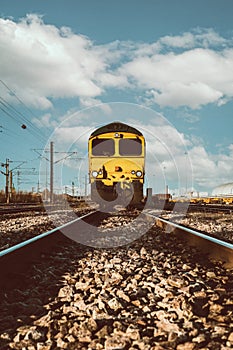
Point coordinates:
[(223, 208), (191, 207), (214, 247), (40, 207), (179, 207), (192, 236), (15, 259), (20, 208), (148, 291)]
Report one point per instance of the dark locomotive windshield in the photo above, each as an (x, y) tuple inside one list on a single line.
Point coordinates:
[(130, 147), (103, 147)]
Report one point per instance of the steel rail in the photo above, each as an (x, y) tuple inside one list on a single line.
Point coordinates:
[(192, 207), (42, 235), (18, 209), (212, 246), (210, 208), (25, 207), (15, 260)]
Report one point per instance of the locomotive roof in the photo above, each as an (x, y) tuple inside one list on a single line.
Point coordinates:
[(117, 127)]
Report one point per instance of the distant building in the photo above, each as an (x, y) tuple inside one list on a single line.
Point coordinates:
[(223, 190)]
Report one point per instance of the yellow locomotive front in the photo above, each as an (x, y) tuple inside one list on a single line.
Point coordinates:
[(116, 164)]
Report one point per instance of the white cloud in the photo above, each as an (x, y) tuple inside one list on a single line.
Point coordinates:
[(89, 101), (200, 37), (67, 136), (41, 63), (185, 40), (193, 95), (113, 80), (231, 150), (45, 121), (210, 170), (183, 161), (192, 78)]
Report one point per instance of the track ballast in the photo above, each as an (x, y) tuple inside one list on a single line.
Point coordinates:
[(153, 293)]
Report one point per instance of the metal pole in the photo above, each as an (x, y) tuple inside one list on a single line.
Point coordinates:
[(186, 179), (85, 186), (7, 182), (18, 180), (11, 184), (51, 172), (46, 182), (164, 168), (149, 196)]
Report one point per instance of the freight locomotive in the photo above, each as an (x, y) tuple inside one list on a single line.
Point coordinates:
[(116, 164)]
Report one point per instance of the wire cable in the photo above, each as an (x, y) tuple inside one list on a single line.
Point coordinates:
[(7, 105)]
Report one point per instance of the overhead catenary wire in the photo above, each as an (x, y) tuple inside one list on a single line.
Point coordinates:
[(9, 109), (12, 110), (8, 132), (14, 113), (18, 99), (8, 113)]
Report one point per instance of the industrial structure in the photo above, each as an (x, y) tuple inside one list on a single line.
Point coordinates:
[(223, 190)]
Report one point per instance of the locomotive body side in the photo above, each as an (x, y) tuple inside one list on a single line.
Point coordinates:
[(117, 164)]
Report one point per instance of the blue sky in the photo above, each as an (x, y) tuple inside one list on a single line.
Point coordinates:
[(161, 61)]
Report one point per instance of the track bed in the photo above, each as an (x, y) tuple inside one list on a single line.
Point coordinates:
[(151, 293)]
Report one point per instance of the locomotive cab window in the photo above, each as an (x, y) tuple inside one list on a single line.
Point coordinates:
[(103, 147), (130, 147)]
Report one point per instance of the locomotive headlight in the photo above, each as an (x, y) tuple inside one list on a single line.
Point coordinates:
[(133, 172), (139, 173), (94, 173)]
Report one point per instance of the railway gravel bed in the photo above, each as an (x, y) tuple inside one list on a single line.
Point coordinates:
[(154, 293), (219, 225), (15, 228), (18, 227)]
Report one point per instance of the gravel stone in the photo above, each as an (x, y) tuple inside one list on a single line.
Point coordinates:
[(143, 295)]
